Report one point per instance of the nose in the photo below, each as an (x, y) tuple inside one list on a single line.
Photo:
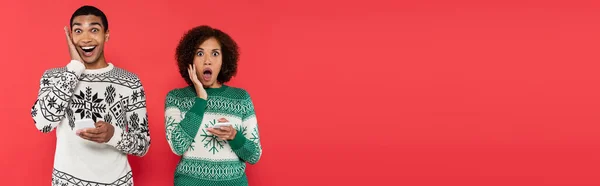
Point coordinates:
[(86, 38), (207, 60)]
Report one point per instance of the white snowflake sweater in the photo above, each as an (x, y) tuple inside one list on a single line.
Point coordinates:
[(108, 94)]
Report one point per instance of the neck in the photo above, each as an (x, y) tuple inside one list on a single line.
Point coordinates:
[(100, 63), (214, 85)]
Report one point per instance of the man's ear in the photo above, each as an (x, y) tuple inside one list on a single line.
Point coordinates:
[(106, 36)]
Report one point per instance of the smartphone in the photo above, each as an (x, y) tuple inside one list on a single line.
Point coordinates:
[(84, 124), (219, 125)]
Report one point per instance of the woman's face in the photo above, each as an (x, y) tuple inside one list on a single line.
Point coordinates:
[(208, 61)]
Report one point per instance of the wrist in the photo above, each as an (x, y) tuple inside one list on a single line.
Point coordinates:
[(200, 93), (117, 136), (111, 133), (232, 136), (238, 141), (76, 66)]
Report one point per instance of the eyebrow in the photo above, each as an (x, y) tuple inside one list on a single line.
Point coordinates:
[(203, 49), (91, 24)]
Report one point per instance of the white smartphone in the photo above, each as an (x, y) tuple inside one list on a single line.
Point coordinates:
[(84, 124), (219, 125)]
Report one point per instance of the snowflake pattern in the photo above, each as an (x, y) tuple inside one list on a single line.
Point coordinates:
[(60, 108), (142, 93), (88, 105), (134, 96), (51, 102), (240, 128), (210, 140), (45, 82), (255, 137)]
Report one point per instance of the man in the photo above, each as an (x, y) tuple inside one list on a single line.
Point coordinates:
[(89, 88)]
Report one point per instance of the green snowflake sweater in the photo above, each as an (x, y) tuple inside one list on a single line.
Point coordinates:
[(206, 159)]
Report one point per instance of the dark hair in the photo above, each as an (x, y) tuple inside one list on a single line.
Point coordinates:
[(188, 44), (90, 10)]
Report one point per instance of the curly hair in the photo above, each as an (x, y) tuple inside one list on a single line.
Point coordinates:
[(188, 44)]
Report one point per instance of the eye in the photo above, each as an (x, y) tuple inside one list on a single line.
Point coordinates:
[(78, 31), (215, 53), (94, 30), (200, 53)]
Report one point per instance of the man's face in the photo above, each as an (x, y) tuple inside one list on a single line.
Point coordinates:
[(88, 36)]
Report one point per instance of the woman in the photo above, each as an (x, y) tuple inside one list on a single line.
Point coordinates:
[(207, 59)]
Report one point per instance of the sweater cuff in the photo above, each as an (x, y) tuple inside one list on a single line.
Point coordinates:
[(117, 136), (238, 141), (199, 106), (191, 129), (76, 66)]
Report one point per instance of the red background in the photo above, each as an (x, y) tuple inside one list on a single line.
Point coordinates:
[(425, 92)]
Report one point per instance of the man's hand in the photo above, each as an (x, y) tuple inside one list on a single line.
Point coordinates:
[(101, 134), (224, 133), (72, 49)]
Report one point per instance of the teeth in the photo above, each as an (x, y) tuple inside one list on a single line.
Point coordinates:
[(87, 48)]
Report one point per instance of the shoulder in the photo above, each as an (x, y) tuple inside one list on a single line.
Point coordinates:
[(54, 71), (180, 98), (124, 74), (125, 78), (243, 98), (237, 93), (181, 92)]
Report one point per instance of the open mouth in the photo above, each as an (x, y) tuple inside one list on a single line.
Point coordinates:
[(88, 50), (207, 74)]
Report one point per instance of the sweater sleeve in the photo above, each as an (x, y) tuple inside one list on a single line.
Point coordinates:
[(54, 96), (246, 144), (182, 128), (135, 140)]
